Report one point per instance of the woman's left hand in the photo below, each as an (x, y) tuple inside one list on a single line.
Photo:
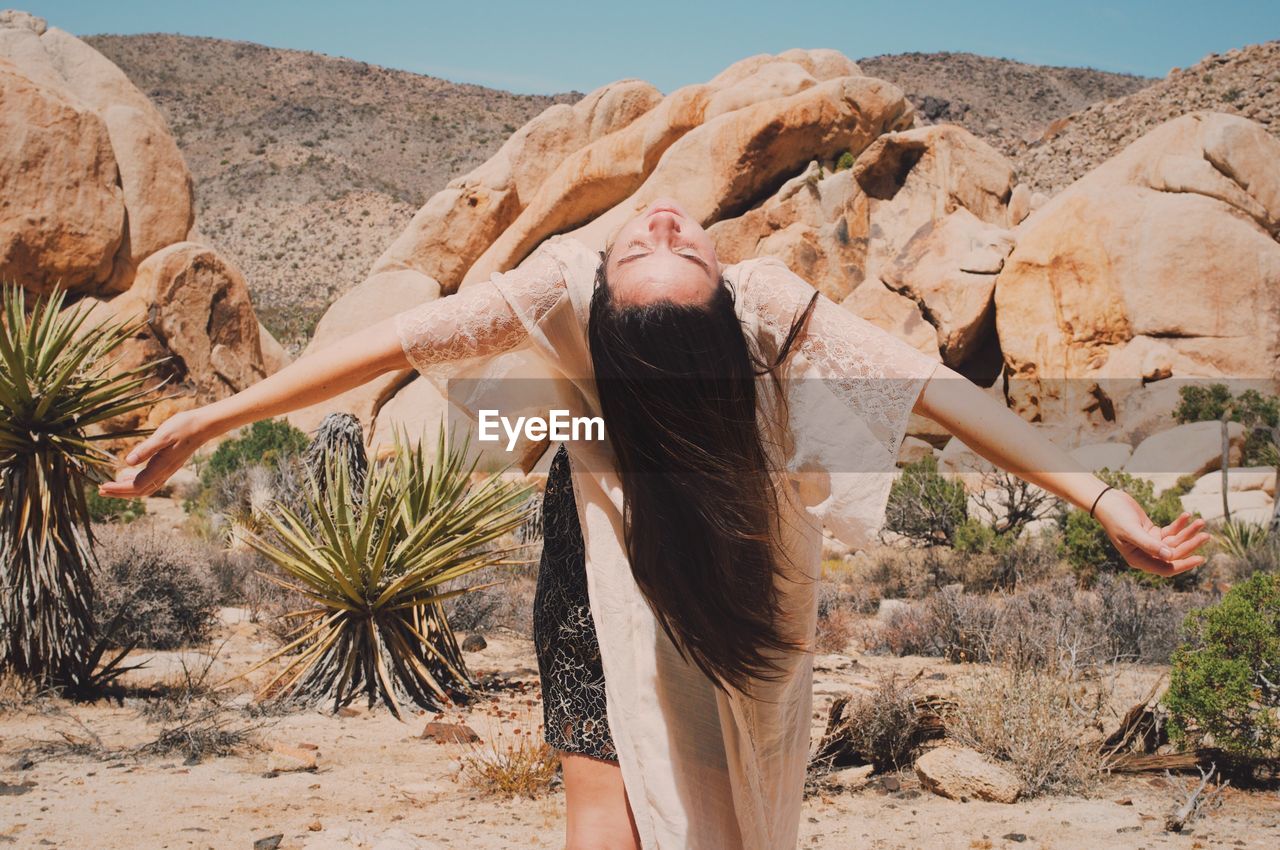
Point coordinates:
[(1146, 546)]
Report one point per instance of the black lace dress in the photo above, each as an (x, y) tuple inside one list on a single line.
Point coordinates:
[(564, 635)]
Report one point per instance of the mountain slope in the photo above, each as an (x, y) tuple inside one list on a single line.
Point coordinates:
[(1005, 102), (307, 166), (1244, 81)]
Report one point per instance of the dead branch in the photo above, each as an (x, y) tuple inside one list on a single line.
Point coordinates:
[(1177, 820)]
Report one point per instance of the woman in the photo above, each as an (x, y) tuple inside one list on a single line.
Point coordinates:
[(743, 411)]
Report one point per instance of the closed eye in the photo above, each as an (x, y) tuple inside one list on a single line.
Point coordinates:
[(691, 255)]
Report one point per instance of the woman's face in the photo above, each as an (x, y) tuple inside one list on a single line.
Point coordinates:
[(662, 254)]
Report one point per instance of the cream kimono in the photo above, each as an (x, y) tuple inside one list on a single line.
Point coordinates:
[(703, 768)]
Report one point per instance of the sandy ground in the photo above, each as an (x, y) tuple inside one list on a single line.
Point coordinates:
[(377, 784)]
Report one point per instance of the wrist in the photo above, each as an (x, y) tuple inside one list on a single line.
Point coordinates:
[(1100, 497), (211, 420)]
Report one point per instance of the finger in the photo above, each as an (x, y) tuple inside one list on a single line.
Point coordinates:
[(1184, 550), (123, 480), (1150, 543), (1185, 534), (144, 450), (1140, 560), (1177, 525)]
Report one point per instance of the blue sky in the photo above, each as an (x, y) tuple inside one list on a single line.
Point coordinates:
[(547, 47)]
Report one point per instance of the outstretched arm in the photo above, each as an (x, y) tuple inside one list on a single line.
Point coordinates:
[(1008, 441), (476, 322)]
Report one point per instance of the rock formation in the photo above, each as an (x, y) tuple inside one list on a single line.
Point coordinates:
[(95, 197), (1162, 263)]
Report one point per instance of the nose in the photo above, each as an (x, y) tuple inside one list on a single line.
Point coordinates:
[(663, 223)]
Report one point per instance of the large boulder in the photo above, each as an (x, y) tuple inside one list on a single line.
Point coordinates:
[(895, 313), (197, 305), (1191, 449), (593, 179), (61, 207), (804, 225), (155, 184), (379, 297), (949, 269), (723, 166), (914, 177), (1161, 263), (459, 222)]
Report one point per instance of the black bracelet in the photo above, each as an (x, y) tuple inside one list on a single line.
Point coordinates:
[(1095, 501)]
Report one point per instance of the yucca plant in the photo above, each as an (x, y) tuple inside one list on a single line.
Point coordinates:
[(56, 382), (375, 571), (1238, 537)]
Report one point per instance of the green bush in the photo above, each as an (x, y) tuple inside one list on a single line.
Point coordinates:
[(263, 443), (1226, 676), (845, 161), (110, 509), (1251, 409), (1086, 544), (926, 507)]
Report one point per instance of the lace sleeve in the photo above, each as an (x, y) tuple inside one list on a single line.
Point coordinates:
[(441, 337), (875, 374)]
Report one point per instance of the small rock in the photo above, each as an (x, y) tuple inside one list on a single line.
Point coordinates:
[(474, 643), (959, 772), (449, 733), (287, 759), (315, 826), (891, 783), (271, 842), (851, 778), (1015, 836), (350, 711)]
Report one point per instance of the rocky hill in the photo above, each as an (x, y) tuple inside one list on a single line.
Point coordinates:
[(306, 166), (1244, 81), (1005, 102)]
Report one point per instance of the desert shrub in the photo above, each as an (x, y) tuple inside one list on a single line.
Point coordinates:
[(262, 443), (905, 573), (924, 506), (155, 587), (845, 161), (1034, 724), (521, 763), (988, 561), (1140, 622), (1264, 557), (110, 509), (1251, 409), (883, 725), (907, 629), (962, 624), (1052, 625), (1226, 676), (1087, 546), (836, 617)]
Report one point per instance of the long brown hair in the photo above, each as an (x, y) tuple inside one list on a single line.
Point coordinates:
[(678, 396)]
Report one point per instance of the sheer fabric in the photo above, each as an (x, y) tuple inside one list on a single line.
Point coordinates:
[(703, 767)]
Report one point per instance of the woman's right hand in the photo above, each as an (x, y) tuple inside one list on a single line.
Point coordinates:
[(164, 453)]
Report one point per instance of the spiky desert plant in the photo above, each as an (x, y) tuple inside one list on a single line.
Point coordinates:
[(375, 572), (56, 382), (1238, 537), (339, 437)]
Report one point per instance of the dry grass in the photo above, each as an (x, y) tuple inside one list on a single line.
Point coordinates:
[(1041, 727), (518, 763), (883, 724)]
